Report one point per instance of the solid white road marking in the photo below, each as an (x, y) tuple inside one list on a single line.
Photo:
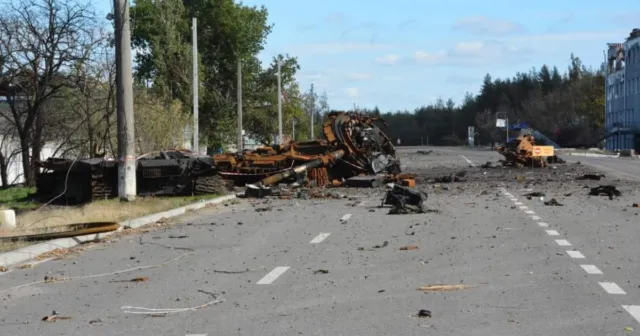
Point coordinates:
[(543, 224), (575, 254), (563, 242), (468, 161), (552, 232), (536, 218), (591, 269), (319, 238), (345, 217), (529, 212), (273, 275), (634, 311), (611, 288)]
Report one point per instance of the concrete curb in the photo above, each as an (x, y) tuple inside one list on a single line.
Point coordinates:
[(30, 252)]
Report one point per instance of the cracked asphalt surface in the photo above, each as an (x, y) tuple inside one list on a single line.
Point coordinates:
[(523, 281)]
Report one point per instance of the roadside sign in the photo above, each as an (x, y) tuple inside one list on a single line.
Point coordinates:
[(501, 123), (543, 151)]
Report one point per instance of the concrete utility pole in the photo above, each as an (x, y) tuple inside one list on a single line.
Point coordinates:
[(196, 121), (124, 86), (311, 112), (239, 89), (279, 105)]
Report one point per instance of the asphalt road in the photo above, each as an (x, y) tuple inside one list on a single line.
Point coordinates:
[(512, 252)]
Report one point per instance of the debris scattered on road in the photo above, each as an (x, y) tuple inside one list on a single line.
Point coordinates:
[(535, 194), (238, 272), (423, 152), (321, 271), (405, 201), (384, 244), (454, 177), (3, 269), (605, 190), (164, 311), (138, 279), (635, 205), (444, 288), (423, 313), (553, 202), (178, 237), (408, 248), (265, 209), (594, 177), (54, 317)]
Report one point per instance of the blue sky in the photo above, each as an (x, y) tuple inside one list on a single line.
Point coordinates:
[(401, 54)]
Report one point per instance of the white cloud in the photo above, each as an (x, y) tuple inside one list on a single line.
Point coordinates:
[(352, 92), (482, 25), (475, 53), (336, 18), (335, 47), (359, 76), (569, 37), (389, 59)]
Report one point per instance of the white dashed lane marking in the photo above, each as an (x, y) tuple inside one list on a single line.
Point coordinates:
[(362, 203), (524, 207), (552, 232), (519, 203), (273, 275), (575, 254), (530, 212), (319, 238), (536, 218), (563, 242), (591, 269), (634, 311), (543, 224), (612, 288), (346, 217)]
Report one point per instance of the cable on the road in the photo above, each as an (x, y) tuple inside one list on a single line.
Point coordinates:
[(51, 280), (162, 311)]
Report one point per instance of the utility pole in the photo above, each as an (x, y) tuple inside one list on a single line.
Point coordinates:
[(196, 122), (239, 89), (312, 110), (279, 105), (124, 91)]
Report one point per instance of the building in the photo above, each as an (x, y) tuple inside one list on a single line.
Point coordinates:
[(622, 103)]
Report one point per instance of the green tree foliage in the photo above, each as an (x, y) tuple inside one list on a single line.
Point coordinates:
[(227, 32), (568, 108)]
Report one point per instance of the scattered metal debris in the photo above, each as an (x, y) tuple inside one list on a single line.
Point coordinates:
[(553, 202), (65, 231), (594, 177), (321, 271), (423, 152), (423, 313), (605, 190), (454, 177), (405, 201), (409, 248), (444, 288), (55, 317)]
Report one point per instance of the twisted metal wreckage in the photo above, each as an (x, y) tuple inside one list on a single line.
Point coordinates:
[(353, 146)]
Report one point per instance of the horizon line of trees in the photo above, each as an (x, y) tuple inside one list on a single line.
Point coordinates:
[(568, 107)]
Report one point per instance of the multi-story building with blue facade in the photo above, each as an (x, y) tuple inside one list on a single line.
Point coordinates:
[(622, 103)]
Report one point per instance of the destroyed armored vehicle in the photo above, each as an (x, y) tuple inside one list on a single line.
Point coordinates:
[(170, 172)]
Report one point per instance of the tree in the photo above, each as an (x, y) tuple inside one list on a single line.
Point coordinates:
[(41, 39)]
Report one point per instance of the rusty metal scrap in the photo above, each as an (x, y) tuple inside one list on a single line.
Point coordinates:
[(519, 153), (353, 145)]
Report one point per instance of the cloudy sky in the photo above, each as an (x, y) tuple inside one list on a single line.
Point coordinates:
[(401, 54)]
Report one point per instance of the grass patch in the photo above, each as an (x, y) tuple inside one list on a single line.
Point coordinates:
[(17, 198), (56, 217)]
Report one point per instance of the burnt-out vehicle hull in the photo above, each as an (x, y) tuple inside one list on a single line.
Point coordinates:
[(159, 174)]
